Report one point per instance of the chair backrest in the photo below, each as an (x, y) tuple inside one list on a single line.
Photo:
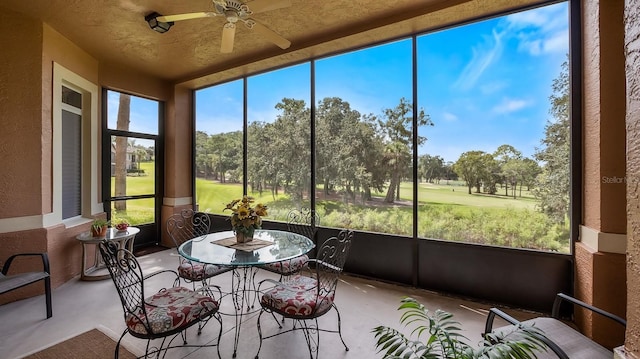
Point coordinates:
[(188, 224), (330, 261), (127, 276), (303, 221)]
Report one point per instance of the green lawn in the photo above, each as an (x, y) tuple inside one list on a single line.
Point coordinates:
[(457, 194), (137, 185), (445, 211), (138, 211), (452, 194)]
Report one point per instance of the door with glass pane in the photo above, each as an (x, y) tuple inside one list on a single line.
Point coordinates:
[(131, 148)]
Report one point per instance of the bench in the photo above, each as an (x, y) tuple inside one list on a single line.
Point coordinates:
[(9, 282), (562, 340)]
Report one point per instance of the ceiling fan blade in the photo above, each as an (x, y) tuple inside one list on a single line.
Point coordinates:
[(258, 6), (228, 35), (192, 15), (271, 35)]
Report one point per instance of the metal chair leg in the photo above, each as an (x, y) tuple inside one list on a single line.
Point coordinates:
[(259, 334), (346, 348)]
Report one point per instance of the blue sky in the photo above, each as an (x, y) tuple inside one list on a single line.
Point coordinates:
[(143, 116), (483, 85), (493, 86)]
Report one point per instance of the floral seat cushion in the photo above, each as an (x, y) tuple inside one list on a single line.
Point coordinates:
[(298, 297), (194, 271), (171, 309), (293, 265)]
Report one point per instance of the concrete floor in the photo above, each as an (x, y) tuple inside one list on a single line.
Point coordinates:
[(79, 306)]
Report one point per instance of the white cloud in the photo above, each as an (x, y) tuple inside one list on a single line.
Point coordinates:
[(482, 57), (540, 31), (449, 117), (558, 43), (547, 19), (509, 106), (492, 87)]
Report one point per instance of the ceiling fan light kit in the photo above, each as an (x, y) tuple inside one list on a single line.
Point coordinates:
[(233, 11), (158, 26)]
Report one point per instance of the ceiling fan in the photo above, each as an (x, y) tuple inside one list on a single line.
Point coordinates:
[(234, 11)]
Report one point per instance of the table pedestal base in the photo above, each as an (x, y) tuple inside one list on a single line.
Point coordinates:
[(98, 270)]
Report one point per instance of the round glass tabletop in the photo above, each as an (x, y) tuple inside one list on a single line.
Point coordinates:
[(268, 246)]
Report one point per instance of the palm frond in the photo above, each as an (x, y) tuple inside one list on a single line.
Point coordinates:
[(436, 335)]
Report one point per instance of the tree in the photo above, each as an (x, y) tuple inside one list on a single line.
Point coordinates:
[(371, 173), (553, 183), (449, 173), (337, 125), (397, 130), (470, 166), (507, 157), (512, 172), (531, 171), (489, 173), (397, 157), (203, 155), (122, 123), (295, 150), (431, 168)]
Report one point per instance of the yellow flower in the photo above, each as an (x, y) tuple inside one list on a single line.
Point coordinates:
[(261, 210), (247, 199), (232, 204), (243, 212)]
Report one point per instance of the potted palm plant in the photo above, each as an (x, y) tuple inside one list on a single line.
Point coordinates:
[(99, 227), (438, 336)]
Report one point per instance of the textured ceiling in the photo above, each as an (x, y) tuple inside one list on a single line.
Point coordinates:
[(115, 32)]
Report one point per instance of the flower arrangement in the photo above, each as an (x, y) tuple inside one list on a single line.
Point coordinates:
[(121, 224), (246, 218)]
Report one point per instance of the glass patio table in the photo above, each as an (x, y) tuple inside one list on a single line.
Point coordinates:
[(267, 246)]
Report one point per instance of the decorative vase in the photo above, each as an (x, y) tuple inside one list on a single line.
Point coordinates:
[(242, 237)]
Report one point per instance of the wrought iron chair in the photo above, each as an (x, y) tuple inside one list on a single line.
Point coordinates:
[(164, 315), (302, 221), (307, 296), (182, 227)]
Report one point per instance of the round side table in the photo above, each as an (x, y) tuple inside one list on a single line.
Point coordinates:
[(124, 239)]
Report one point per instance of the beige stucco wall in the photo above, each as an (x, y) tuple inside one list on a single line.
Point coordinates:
[(56, 48), (603, 116), (126, 80), (600, 278), (26, 142), (29, 49), (632, 47), (179, 142), (20, 115)]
